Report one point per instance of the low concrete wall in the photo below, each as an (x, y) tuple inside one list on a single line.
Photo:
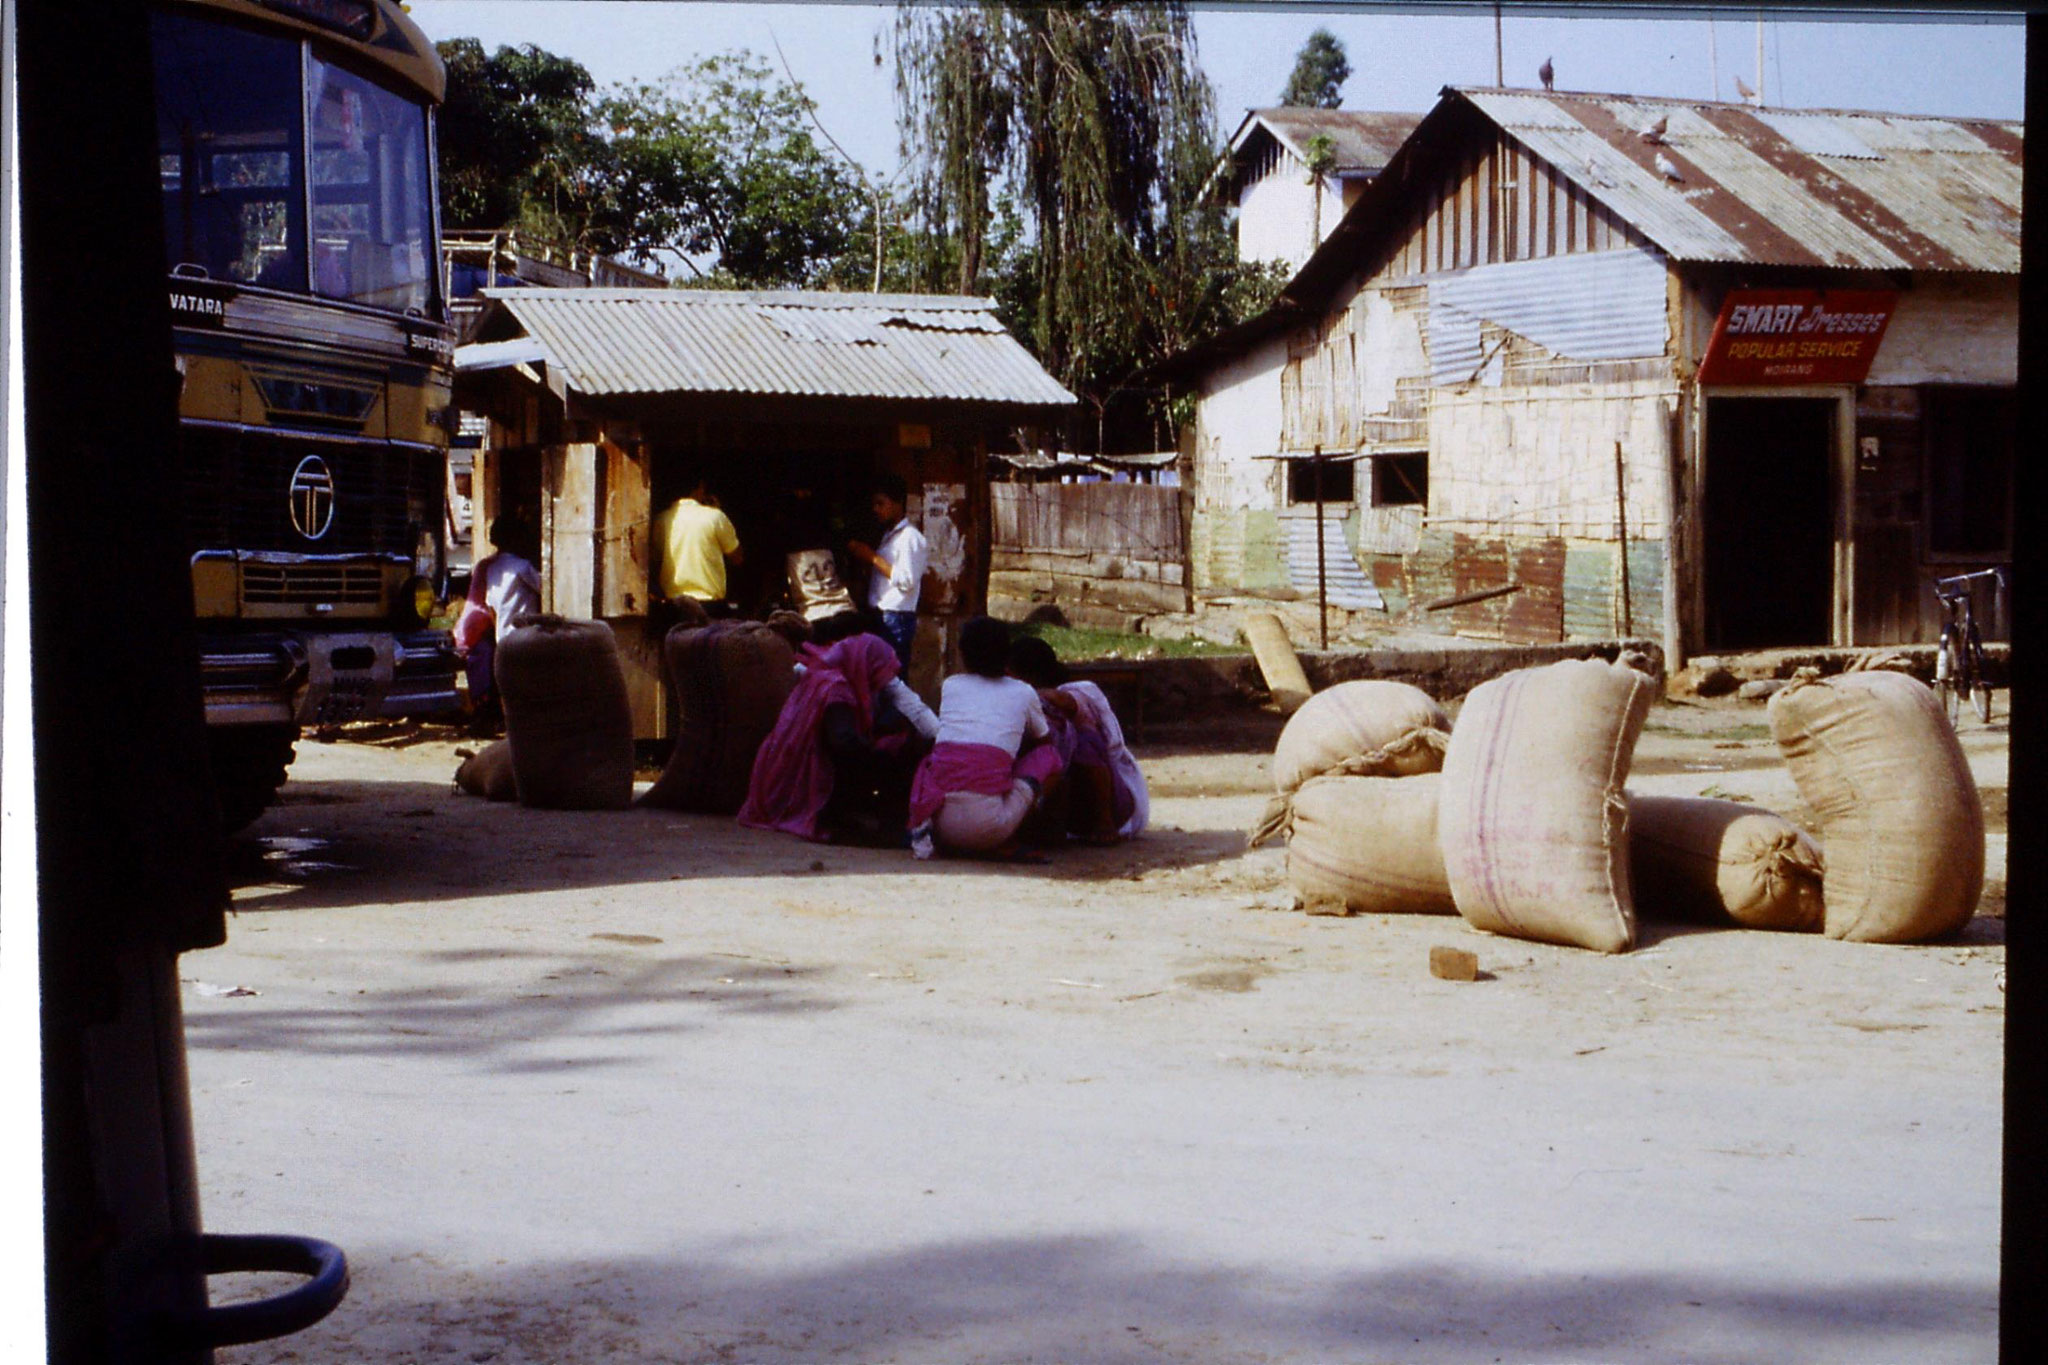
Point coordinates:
[(1181, 690)]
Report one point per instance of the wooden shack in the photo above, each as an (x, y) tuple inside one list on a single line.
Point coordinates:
[(601, 403), (1584, 365)]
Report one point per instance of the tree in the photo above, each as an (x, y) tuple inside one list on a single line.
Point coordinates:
[(514, 133), (1097, 126), (718, 159), (1320, 70)]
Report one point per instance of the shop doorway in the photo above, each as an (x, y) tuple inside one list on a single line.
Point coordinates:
[(1769, 522)]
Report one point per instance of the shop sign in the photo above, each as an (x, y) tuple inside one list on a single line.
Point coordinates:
[(1797, 336)]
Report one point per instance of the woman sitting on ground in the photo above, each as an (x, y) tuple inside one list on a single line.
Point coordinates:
[(1106, 796), (981, 780), (840, 756)]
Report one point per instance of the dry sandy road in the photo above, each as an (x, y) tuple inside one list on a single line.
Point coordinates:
[(640, 1087)]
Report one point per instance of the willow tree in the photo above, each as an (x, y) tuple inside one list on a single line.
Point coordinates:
[(1096, 125)]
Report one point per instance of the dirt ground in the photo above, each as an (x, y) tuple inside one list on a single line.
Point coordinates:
[(642, 1086)]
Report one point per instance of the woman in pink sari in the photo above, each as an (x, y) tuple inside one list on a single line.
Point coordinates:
[(831, 735), (992, 761)]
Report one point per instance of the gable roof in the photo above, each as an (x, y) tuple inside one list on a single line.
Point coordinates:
[(794, 343), (1799, 187), (1362, 142), (1833, 189)]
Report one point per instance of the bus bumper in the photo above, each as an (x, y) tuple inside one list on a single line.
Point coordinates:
[(290, 678)]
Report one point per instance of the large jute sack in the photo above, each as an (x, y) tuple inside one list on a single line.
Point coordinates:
[(1368, 844), (567, 717), (730, 681), (1900, 819), (1531, 815), (488, 773), (1373, 727), (1708, 861)]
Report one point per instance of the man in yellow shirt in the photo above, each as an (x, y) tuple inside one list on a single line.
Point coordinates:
[(697, 541)]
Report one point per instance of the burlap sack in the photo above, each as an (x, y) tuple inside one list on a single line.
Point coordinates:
[(1367, 845), (730, 681), (567, 716), (1531, 816), (1370, 728), (1900, 818), (1706, 861), (488, 772)]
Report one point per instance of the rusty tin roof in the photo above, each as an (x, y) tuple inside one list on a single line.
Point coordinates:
[(1798, 187), (1362, 141), (895, 346)]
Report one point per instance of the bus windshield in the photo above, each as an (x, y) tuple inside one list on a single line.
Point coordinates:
[(236, 114)]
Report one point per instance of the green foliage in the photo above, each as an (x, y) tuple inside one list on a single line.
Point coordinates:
[(1320, 70), (514, 130), (719, 158), (715, 160), (1320, 155), (1093, 127)]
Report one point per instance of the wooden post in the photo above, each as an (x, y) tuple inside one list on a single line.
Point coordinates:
[(1628, 619), (1322, 569)]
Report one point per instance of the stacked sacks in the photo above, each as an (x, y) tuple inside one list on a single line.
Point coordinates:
[(1355, 793), (1532, 820), (1708, 861), (1875, 758), (567, 718), (1367, 844), (730, 679)]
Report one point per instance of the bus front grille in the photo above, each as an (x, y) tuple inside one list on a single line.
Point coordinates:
[(308, 584)]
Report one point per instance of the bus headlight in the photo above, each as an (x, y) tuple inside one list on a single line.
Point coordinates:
[(419, 594)]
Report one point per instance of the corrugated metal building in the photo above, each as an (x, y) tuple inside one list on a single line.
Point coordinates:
[(1779, 347), (604, 404)]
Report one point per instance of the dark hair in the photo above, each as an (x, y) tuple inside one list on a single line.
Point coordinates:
[(985, 646), (892, 487), (836, 627), (511, 531), (1032, 660)]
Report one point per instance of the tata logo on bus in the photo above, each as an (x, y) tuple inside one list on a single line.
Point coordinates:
[(312, 498), (1797, 336)]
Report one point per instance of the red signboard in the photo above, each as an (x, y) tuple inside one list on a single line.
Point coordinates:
[(1797, 336)]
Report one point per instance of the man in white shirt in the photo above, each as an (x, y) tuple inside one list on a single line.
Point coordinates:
[(898, 565)]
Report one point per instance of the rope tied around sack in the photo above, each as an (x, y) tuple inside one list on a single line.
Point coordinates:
[(1278, 817)]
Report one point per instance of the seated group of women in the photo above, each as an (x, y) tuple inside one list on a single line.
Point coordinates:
[(1016, 755)]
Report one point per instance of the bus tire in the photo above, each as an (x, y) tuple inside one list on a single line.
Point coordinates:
[(249, 763)]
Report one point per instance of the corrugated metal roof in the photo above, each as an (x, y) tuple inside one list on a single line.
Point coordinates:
[(1805, 187), (1362, 141), (1604, 305), (902, 346)]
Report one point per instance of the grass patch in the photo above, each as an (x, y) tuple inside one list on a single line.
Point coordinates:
[(1074, 644)]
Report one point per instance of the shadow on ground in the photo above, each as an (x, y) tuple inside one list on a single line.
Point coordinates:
[(1111, 1300), (340, 843), (564, 1005)]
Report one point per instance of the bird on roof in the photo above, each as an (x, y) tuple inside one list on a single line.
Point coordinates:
[(1546, 73), (1655, 132), (1742, 89), (1667, 168)]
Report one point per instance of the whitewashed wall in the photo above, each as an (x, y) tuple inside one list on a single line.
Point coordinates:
[(1276, 214), (1238, 420), (1953, 331)]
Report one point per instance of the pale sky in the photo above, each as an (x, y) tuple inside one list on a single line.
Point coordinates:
[(1399, 61)]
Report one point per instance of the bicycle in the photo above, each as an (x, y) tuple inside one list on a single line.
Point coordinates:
[(1959, 660)]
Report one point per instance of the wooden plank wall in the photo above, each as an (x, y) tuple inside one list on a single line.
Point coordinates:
[(1132, 520)]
